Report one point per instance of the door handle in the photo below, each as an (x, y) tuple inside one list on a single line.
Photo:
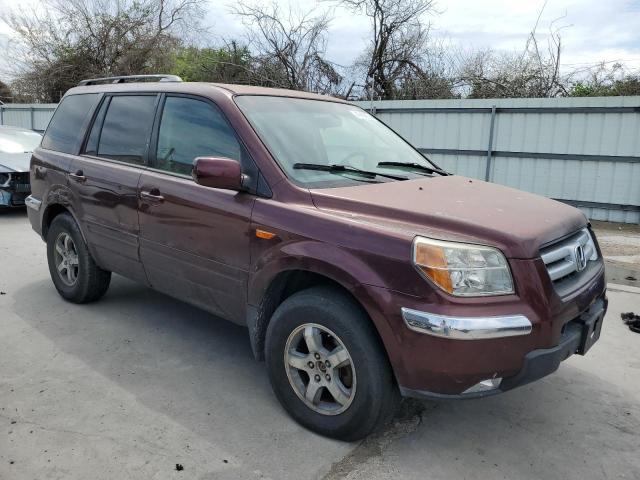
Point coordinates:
[(152, 196), (78, 177)]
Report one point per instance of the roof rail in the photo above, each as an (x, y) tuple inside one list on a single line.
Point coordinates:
[(131, 78)]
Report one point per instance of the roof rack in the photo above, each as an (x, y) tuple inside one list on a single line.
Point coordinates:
[(131, 78)]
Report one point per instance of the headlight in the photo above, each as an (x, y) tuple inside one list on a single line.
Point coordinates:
[(4, 178), (462, 269), (591, 245)]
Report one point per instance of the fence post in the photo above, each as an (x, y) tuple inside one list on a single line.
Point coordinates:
[(487, 173), (1, 114), (31, 114)]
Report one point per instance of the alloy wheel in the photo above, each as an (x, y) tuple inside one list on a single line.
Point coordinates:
[(320, 369), (66, 259)]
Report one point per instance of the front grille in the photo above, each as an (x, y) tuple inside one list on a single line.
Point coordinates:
[(20, 182), (570, 261), (20, 177)]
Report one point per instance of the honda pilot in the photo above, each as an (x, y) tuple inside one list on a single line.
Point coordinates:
[(362, 271)]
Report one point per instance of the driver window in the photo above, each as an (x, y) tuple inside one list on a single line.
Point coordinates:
[(191, 128)]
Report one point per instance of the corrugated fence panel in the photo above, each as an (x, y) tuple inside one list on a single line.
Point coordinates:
[(582, 150), (33, 116), (456, 136)]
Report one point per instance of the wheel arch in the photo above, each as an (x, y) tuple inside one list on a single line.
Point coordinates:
[(52, 211), (287, 281)]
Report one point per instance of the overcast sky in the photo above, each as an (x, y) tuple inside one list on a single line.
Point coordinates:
[(595, 30)]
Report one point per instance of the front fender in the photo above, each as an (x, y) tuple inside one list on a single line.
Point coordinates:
[(333, 262), (347, 268)]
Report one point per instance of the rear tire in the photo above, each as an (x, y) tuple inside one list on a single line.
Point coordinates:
[(348, 402), (74, 272)]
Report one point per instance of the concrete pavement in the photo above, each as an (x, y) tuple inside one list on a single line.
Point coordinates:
[(139, 382)]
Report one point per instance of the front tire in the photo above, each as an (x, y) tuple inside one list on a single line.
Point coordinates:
[(73, 271), (327, 366)]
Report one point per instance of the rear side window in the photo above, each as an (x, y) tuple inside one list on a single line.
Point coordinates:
[(122, 128), (64, 132), (191, 128)]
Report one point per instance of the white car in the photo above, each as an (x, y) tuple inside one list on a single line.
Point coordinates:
[(16, 145)]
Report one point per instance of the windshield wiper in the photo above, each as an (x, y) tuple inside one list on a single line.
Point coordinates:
[(413, 165), (344, 168)]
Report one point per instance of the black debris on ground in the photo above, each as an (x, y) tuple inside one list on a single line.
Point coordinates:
[(3, 293), (631, 278), (179, 467), (632, 321)]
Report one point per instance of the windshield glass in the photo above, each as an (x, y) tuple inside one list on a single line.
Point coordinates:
[(298, 131), (18, 141)]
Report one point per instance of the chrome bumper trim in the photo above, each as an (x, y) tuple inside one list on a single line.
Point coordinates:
[(466, 328), (33, 202)]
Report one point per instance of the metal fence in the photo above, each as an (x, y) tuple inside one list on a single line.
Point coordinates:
[(582, 151), (33, 116)]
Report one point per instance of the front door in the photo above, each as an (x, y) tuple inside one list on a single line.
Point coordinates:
[(104, 180), (194, 239)]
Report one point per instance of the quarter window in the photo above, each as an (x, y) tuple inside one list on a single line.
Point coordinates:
[(125, 130), (192, 128), (64, 132)]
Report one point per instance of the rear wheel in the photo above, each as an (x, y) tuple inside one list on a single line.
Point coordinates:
[(73, 270), (327, 367)]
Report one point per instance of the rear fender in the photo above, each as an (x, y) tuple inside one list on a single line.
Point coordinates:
[(59, 196)]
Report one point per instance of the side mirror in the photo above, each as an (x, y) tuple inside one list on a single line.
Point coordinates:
[(218, 172)]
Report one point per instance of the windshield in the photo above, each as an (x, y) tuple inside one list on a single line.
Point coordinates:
[(18, 141), (300, 131)]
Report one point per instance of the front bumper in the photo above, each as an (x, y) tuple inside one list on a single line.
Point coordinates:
[(453, 359), (466, 328), (10, 198), (578, 336), (15, 190)]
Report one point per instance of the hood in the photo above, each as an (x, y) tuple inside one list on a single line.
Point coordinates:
[(14, 162), (458, 208)]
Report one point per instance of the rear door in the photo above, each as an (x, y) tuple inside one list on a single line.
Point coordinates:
[(194, 239), (50, 163), (104, 180)]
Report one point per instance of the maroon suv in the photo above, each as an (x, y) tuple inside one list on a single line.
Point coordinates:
[(362, 271)]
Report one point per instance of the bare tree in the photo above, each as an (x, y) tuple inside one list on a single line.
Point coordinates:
[(289, 47), (398, 43), (534, 72), (5, 93), (67, 40), (603, 80)]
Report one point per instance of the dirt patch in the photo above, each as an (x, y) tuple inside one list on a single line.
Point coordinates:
[(619, 242), (371, 449), (620, 245), (622, 273)]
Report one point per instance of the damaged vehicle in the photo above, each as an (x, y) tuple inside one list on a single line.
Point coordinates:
[(16, 145), (362, 271)]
